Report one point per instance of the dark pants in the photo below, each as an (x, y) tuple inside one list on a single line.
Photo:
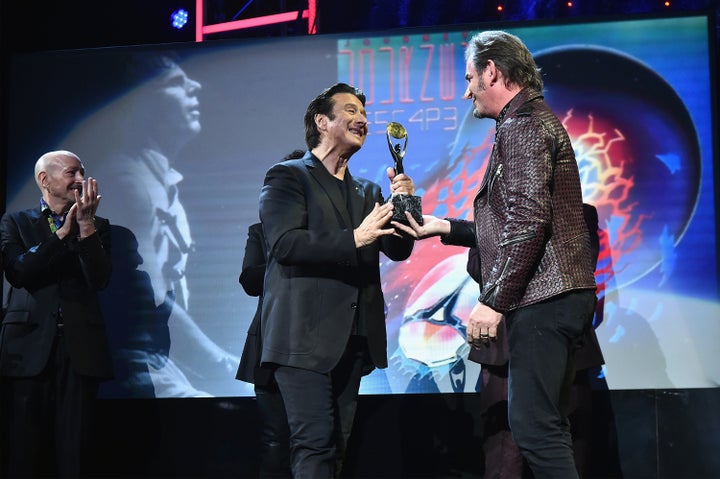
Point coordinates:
[(274, 432), (320, 409), (542, 338), (49, 419), (503, 459)]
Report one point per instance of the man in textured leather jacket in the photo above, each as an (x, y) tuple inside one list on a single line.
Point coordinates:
[(534, 248)]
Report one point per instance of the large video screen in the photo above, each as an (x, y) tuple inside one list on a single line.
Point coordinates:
[(635, 96)]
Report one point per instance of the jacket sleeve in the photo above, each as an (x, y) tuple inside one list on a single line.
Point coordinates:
[(27, 264), (397, 249), (254, 261), (462, 233), (296, 231), (473, 265), (94, 255), (30, 266)]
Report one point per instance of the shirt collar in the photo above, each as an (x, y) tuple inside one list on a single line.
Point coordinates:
[(160, 167), (45, 209), (55, 220)]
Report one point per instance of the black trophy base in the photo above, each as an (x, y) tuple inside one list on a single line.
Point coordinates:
[(402, 203)]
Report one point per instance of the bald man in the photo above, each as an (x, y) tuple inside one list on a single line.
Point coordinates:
[(54, 349)]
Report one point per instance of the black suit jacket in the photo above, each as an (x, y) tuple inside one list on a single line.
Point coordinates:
[(317, 281), (251, 278), (48, 275)]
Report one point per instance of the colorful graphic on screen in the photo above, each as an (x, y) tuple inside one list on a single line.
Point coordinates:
[(644, 153)]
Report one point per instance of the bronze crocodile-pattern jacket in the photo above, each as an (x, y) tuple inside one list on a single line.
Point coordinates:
[(529, 226)]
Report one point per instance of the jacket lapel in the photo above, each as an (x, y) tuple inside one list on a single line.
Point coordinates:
[(33, 226), (329, 185)]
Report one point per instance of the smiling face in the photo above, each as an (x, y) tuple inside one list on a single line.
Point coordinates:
[(59, 175), (346, 128)]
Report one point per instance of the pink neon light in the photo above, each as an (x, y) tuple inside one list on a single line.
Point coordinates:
[(201, 30), (199, 15), (312, 17), (253, 22)]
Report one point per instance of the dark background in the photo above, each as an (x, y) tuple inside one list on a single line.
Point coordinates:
[(661, 433)]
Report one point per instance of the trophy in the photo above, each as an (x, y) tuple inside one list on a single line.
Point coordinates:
[(397, 138)]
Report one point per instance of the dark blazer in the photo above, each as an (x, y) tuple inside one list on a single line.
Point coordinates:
[(251, 279), (47, 275), (317, 281)]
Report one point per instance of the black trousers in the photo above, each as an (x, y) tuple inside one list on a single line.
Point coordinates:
[(48, 419), (542, 338), (321, 409), (274, 432)]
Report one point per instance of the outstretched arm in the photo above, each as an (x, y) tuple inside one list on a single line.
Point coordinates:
[(432, 226)]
